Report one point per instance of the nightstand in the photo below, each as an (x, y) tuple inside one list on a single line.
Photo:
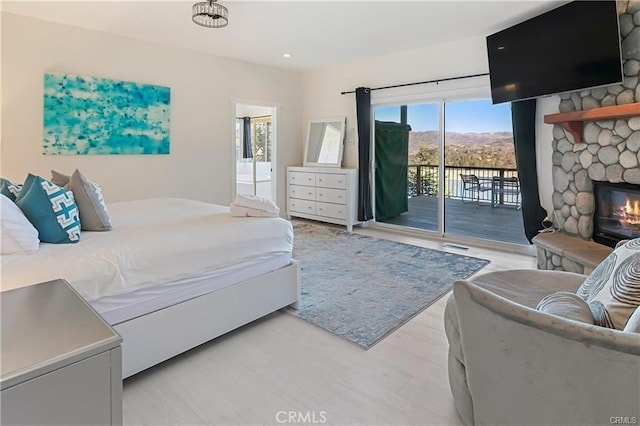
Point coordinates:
[(61, 362)]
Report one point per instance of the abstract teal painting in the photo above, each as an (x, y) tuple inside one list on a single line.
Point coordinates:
[(92, 115)]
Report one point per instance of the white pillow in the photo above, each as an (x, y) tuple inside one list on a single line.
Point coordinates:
[(18, 234), (633, 325)]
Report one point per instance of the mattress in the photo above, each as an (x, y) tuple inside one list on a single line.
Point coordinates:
[(160, 252)]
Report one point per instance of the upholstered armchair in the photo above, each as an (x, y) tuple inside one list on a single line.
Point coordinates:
[(510, 364)]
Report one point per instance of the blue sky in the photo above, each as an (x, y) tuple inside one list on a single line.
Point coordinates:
[(474, 116)]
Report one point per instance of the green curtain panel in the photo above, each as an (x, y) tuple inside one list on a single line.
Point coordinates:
[(391, 159)]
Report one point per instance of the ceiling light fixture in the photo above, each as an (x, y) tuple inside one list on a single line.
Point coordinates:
[(210, 14), (287, 55)]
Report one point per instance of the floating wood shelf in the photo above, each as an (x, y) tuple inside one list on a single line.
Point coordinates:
[(573, 122)]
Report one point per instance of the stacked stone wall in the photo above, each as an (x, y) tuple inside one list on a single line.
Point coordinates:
[(610, 150)]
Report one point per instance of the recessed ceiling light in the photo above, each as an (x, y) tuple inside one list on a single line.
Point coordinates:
[(287, 55)]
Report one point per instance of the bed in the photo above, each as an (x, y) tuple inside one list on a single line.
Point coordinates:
[(171, 275)]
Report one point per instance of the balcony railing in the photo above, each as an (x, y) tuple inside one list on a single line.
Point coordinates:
[(423, 180)]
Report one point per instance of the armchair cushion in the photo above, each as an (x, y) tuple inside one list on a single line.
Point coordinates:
[(613, 288)]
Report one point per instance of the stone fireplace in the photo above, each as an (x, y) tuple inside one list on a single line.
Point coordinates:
[(610, 150)]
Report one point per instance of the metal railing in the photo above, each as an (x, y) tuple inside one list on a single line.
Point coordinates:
[(423, 180)]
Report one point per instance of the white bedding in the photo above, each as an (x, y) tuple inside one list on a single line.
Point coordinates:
[(155, 243)]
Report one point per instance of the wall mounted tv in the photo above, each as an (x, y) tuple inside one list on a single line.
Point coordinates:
[(572, 47)]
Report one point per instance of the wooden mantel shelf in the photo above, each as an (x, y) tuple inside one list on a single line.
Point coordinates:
[(573, 122)]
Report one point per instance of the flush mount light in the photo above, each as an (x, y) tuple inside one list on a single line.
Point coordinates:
[(210, 14), (287, 55)]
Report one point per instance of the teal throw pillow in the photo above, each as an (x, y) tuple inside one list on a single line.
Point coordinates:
[(50, 209), (9, 189)]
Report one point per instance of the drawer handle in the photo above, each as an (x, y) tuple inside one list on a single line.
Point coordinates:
[(310, 208), (310, 193)]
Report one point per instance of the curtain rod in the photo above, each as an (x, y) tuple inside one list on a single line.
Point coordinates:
[(422, 82), (257, 116)]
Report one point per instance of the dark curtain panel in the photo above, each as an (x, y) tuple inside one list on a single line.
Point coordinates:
[(392, 160), (363, 111), (523, 117), (247, 152)]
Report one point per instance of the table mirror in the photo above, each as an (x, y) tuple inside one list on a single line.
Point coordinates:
[(324, 145)]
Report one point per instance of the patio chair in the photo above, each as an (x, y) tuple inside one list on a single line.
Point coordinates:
[(471, 185), (501, 186)]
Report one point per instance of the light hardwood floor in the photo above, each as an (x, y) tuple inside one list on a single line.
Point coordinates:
[(282, 363)]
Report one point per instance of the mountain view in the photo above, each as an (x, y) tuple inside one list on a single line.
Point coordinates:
[(464, 149)]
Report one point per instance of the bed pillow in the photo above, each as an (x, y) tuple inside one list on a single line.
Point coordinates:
[(9, 189), (88, 195), (59, 179), (613, 288), (50, 209), (18, 234), (567, 305)]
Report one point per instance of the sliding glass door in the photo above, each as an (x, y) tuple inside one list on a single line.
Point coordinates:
[(460, 170)]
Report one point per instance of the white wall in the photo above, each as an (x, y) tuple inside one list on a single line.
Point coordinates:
[(322, 88), (200, 165)]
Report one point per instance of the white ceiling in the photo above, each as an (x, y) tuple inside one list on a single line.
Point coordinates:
[(317, 33)]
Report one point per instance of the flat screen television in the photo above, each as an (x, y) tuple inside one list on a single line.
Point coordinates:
[(573, 47)]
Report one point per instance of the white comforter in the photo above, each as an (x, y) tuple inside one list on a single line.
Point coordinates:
[(153, 243)]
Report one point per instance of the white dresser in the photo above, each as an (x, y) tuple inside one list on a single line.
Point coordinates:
[(325, 194)]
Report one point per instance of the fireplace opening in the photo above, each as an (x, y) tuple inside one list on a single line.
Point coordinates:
[(617, 212)]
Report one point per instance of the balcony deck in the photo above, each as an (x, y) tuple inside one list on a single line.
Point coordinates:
[(502, 223)]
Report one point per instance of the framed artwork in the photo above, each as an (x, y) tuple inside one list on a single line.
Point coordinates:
[(98, 116)]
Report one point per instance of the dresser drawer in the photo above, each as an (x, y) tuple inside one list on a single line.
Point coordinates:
[(302, 178), (302, 206), (328, 195), (302, 192), (336, 211), (326, 180)]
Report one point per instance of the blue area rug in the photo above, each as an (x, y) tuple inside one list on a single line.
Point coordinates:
[(362, 288)]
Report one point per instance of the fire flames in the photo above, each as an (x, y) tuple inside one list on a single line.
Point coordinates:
[(631, 212)]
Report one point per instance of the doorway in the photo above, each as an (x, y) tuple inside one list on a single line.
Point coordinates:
[(255, 142)]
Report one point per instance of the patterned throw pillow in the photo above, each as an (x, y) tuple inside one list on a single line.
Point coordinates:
[(567, 305), (51, 209), (9, 189), (88, 195), (613, 288)]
